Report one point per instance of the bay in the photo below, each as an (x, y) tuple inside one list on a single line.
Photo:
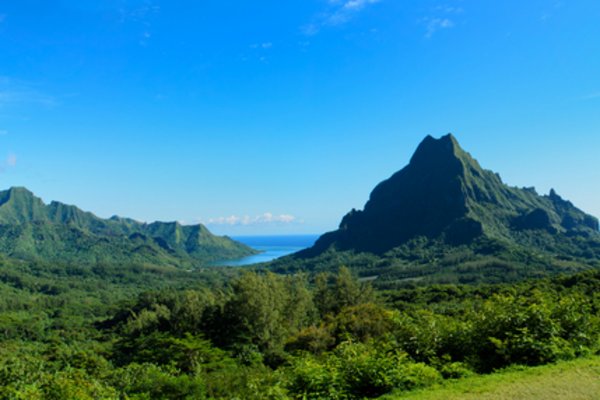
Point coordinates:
[(270, 247)]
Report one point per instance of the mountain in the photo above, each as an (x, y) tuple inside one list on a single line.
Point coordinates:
[(33, 230), (444, 193), (443, 200)]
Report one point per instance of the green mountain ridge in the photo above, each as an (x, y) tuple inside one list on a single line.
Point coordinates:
[(442, 201), (30, 229)]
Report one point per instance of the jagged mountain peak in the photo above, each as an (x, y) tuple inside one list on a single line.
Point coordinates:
[(439, 165), (443, 193), (443, 153), (431, 148)]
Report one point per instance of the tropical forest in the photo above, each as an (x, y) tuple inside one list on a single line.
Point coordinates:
[(233, 200)]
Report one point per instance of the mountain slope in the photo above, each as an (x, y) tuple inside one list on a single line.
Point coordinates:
[(443, 200), (30, 229), (444, 193)]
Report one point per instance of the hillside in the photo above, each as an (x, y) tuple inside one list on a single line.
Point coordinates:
[(444, 210), (32, 230)]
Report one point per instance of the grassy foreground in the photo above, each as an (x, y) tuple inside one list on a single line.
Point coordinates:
[(573, 380)]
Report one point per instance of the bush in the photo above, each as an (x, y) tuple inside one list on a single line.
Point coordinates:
[(309, 378), (362, 322), (148, 381), (314, 339), (508, 330), (357, 371)]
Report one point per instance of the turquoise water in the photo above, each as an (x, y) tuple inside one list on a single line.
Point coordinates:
[(271, 248)]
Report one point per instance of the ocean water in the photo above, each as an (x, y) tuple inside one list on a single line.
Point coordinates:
[(271, 247)]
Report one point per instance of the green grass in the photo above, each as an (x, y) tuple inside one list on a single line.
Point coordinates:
[(573, 380)]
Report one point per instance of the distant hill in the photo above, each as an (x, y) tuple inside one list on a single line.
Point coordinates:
[(443, 211), (32, 230)]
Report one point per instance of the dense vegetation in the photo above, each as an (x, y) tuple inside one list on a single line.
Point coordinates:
[(32, 230), (422, 261), (115, 309), (83, 332)]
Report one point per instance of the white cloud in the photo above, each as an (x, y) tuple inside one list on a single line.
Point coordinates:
[(436, 24), (139, 14), (141, 17), (260, 52), (550, 11), (338, 13), (246, 220), (357, 4), (443, 17), (264, 45), (448, 9)]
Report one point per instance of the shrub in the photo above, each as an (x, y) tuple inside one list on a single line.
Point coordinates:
[(148, 381)]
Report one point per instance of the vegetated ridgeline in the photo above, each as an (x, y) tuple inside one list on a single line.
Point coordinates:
[(32, 230), (442, 201)]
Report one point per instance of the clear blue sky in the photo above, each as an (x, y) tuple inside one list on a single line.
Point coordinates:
[(285, 114)]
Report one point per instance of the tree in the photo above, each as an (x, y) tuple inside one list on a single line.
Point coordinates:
[(346, 291), (265, 309)]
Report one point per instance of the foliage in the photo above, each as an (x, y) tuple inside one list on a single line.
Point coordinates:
[(97, 332)]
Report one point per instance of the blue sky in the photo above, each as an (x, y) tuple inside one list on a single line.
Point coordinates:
[(279, 116)]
